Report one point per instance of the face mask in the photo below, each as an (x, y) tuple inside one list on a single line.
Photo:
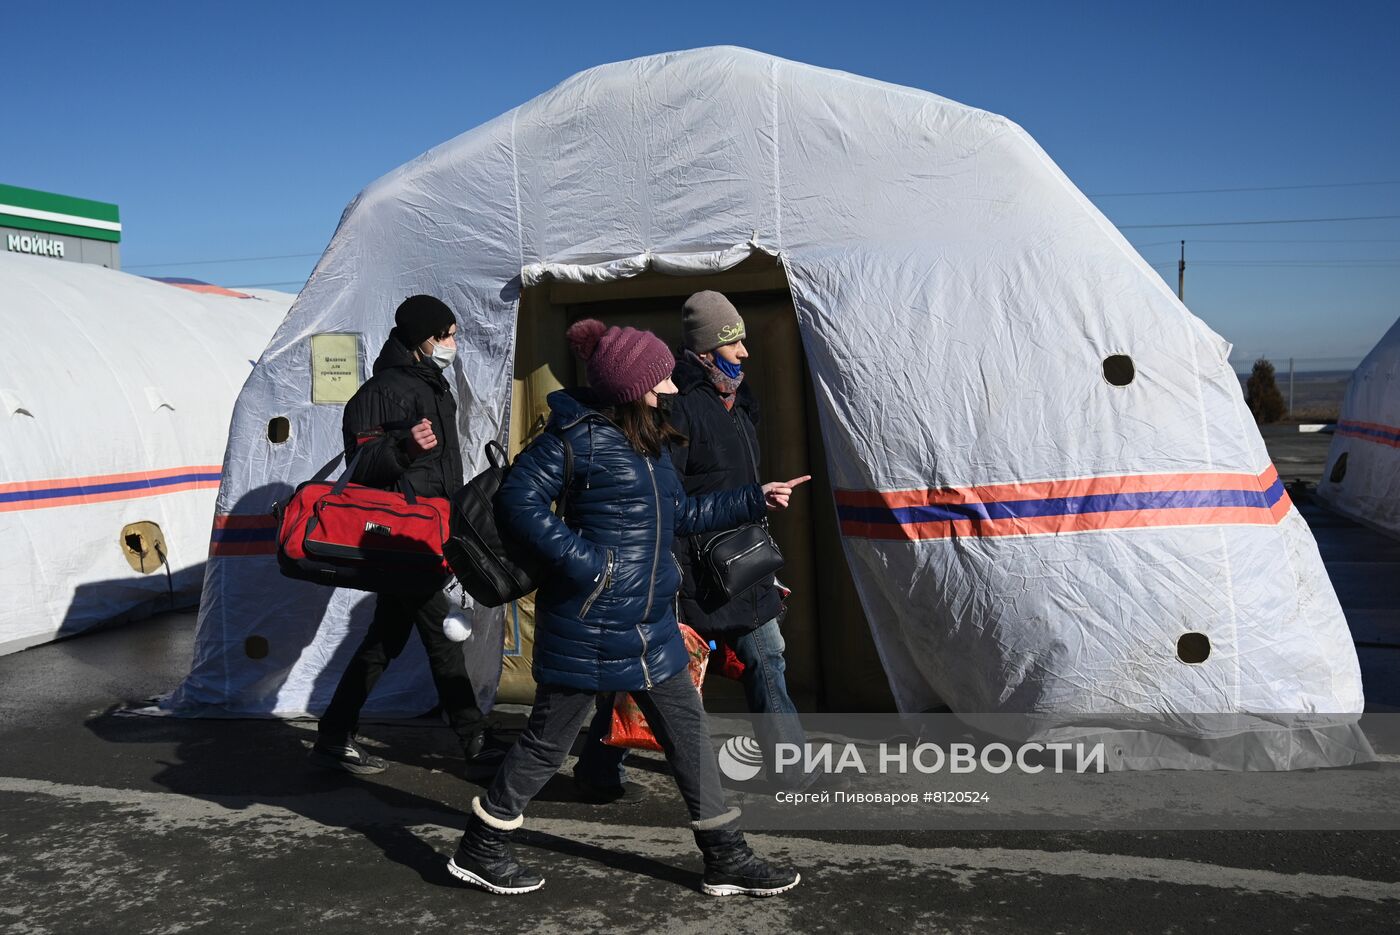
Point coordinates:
[(443, 355), (731, 371), (664, 402)]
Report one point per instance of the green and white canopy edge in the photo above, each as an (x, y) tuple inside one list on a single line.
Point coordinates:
[(956, 296), (59, 214)]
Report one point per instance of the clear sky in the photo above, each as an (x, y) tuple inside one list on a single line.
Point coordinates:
[(227, 131)]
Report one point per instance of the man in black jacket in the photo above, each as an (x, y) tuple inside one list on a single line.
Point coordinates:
[(402, 424), (718, 412)]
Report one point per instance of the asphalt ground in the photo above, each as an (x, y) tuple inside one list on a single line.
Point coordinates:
[(116, 824)]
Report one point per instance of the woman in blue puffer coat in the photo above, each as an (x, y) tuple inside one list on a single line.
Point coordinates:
[(605, 617)]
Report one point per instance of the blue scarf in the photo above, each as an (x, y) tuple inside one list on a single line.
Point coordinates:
[(731, 371)]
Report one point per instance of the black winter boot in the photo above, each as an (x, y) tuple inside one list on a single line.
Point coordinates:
[(732, 869), (483, 757), (345, 754), (484, 859)]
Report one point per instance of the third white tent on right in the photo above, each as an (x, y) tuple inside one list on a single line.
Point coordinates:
[(1362, 476)]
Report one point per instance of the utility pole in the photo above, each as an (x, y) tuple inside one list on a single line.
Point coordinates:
[(1181, 275), (1290, 387)]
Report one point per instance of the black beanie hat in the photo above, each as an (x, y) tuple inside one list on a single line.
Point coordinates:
[(421, 317)]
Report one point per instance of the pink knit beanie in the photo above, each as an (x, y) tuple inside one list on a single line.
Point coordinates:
[(623, 363)]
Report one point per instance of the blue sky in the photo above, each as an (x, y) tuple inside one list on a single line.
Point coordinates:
[(241, 130)]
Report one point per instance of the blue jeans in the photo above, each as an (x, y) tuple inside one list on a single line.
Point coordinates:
[(765, 689)]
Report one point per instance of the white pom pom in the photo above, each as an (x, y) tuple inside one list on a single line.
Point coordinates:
[(457, 628)]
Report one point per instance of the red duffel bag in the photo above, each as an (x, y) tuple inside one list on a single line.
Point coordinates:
[(349, 536), (629, 726)]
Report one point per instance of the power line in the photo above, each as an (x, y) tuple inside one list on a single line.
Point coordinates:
[(237, 259), (1262, 188), (261, 285), (1195, 240), (1361, 261), (1356, 264), (1371, 217)]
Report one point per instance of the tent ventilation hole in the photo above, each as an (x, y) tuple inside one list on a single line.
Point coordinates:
[(1193, 648), (278, 429), (143, 545), (1118, 369), (1339, 470), (255, 647)]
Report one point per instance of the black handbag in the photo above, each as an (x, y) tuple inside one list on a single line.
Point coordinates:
[(738, 559), (741, 558), (491, 568)]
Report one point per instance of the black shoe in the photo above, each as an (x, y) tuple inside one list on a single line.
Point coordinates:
[(627, 793), (345, 755), (484, 859), (483, 758), (732, 869)]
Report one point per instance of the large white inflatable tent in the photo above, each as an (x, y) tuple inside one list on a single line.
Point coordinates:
[(116, 392), (1362, 475), (1051, 496)]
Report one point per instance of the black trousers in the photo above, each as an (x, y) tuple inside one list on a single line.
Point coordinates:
[(672, 709), (395, 616)]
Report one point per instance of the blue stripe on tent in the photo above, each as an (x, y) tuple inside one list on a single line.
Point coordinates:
[(267, 534), (1355, 429), (1066, 506), (93, 489)]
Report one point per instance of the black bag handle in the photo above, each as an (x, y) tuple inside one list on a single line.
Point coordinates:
[(343, 481), (345, 475), (330, 466), (497, 457)]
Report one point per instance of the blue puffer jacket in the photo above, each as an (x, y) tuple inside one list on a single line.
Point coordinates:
[(605, 617)]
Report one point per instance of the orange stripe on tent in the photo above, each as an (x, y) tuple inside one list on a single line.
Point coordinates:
[(1375, 426), (1057, 489), (1071, 523), (1365, 437), (79, 499), (35, 485), (245, 521)]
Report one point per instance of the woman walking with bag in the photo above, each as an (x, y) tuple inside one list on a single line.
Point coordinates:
[(718, 413), (605, 616)]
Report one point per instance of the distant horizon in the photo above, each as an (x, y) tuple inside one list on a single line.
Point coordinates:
[(1300, 365)]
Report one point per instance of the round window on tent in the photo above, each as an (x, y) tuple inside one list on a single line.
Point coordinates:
[(1118, 369), (1193, 648), (278, 429), (143, 546), (1339, 469), (255, 647)]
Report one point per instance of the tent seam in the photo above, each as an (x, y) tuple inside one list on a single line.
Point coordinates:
[(515, 179), (777, 165)]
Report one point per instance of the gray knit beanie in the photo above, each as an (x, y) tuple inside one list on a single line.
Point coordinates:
[(709, 320)]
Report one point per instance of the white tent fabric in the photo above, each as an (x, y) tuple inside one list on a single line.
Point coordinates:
[(117, 393), (1024, 535), (1366, 485)]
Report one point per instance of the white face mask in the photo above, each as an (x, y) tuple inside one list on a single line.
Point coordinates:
[(443, 355)]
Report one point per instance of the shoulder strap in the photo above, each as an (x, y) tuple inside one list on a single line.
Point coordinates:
[(568, 470), (330, 466), (344, 480), (750, 448)]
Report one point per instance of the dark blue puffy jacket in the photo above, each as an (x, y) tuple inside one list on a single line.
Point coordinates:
[(605, 617)]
